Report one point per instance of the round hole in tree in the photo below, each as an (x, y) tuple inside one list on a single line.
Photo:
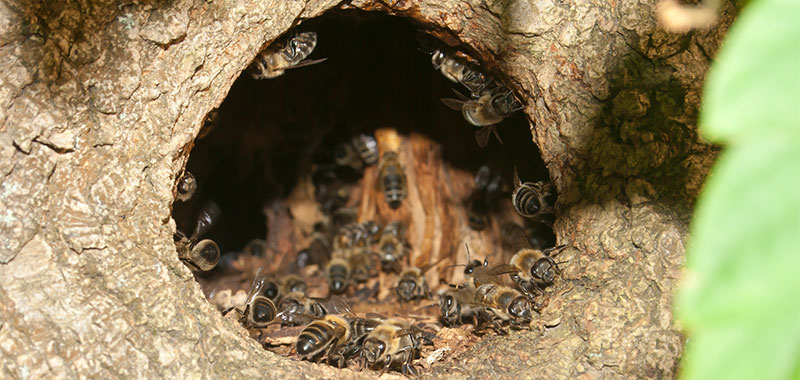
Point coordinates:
[(272, 169)]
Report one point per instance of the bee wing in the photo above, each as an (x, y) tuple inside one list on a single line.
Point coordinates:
[(340, 306), (482, 177), (453, 104), (482, 135), (206, 218), (376, 316), (496, 133), (460, 95), (494, 186), (492, 275), (307, 62), (258, 284)]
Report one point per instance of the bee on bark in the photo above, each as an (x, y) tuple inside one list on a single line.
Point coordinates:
[(355, 235), (362, 264), (411, 284), (392, 246), (359, 328), (505, 305), (279, 57), (336, 335), (347, 265), (259, 310), (535, 269), (296, 306), (187, 185), (533, 200), (205, 254), (290, 283), (392, 344), (338, 273), (480, 201), (323, 336), (392, 179), (461, 72), (458, 304), (486, 111)]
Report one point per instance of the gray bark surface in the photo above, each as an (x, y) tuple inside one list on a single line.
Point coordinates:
[(100, 102)]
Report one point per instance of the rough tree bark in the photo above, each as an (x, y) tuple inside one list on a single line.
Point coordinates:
[(100, 102)]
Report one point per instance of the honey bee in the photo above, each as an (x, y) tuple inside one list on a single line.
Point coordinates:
[(458, 304), (355, 235), (535, 269), (346, 265), (486, 111), (259, 310), (461, 72), (480, 201), (533, 199), (360, 151), (392, 179), (275, 59), (187, 185), (359, 328), (480, 272), (338, 273), (291, 283), (505, 304), (336, 334), (256, 248), (367, 148), (394, 343), (392, 246), (411, 284), (296, 306), (323, 336), (344, 154), (203, 255)]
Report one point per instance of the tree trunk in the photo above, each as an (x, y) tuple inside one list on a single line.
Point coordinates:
[(100, 103)]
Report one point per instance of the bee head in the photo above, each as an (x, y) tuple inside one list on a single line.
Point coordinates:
[(544, 270), (520, 310), (373, 349)]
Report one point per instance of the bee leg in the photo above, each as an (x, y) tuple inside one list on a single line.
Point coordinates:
[(497, 327), (385, 368), (228, 310)]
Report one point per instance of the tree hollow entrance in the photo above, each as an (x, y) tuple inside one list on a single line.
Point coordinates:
[(262, 158)]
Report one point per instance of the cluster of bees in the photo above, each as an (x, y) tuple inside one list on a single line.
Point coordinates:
[(350, 252)]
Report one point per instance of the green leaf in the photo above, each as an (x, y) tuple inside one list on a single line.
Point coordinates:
[(741, 301), (754, 87)]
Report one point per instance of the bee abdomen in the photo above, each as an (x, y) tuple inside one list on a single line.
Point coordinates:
[(526, 201), (311, 340)]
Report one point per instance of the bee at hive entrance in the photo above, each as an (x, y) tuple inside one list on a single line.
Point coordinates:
[(353, 213)]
